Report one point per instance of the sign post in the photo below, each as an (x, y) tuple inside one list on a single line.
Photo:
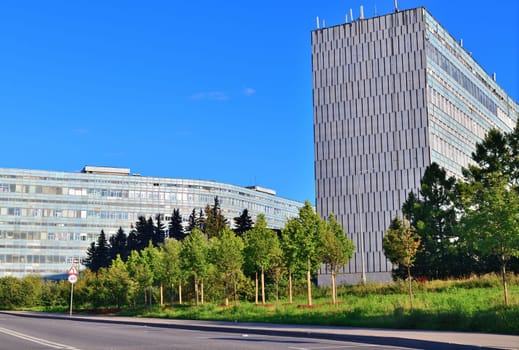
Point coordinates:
[(72, 278)]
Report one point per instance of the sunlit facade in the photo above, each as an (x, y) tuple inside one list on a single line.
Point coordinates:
[(49, 218), (391, 95)]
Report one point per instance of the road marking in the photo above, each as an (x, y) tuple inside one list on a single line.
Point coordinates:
[(40, 341)]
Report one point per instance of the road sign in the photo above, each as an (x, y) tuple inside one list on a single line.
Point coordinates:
[(73, 270), (72, 278)]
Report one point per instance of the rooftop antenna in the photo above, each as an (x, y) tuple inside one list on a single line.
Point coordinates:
[(396, 5), (317, 21), (351, 15), (461, 42), (346, 18), (375, 10), (324, 23), (494, 76), (361, 12)]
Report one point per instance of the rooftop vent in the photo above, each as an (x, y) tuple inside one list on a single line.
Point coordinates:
[(105, 170)]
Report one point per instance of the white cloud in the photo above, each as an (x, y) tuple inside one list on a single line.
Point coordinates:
[(249, 91), (211, 95)]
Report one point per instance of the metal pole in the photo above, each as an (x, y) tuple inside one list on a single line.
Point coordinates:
[(71, 295)]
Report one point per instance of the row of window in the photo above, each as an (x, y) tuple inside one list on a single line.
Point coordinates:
[(446, 65), (37, 259)]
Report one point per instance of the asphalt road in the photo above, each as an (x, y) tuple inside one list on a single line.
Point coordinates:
[(39, 334), (48, 331)]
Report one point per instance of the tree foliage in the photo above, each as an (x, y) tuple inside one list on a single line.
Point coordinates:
[(433, 214), (176, 229), (336, 249), (491, 220), (243, 223), (400, 244)]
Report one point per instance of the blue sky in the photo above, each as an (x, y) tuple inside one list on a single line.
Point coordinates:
[(213, 90)]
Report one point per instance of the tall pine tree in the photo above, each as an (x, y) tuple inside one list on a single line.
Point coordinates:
[(243, 223), (176, 230)]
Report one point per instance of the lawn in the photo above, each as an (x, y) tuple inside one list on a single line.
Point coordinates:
[(469, 305)]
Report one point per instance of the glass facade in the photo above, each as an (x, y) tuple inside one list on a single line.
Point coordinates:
[(392, 94), (48, 219)]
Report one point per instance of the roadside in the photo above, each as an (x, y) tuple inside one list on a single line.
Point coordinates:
[(402, 338)]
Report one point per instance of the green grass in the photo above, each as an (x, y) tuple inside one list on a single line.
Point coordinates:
[(441, 306)]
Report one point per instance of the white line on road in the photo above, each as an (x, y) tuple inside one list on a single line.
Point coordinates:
[(40, 341)]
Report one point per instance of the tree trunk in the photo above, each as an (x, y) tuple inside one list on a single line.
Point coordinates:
[(256, 280), (290, 287), (308, 283), (180, 292), (226, 292), (262, 286), (410, 286), (505, 287), (196, 291), (161, 294), (235, 292), (202, 291), (334, 290)]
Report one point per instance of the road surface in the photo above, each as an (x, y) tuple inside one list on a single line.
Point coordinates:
[(48, 331)]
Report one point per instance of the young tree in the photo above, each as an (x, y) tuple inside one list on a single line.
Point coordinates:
[(336, 249), (227, 256), (400, 244), (176, 230), (261, 245), (118, 283), (491, 220), (303, 233), (194, 259), (170, 255), (118, 245), (215, 222), (140, 273), (243, 223)]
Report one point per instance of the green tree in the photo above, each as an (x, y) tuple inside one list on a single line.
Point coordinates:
[(176, 230), (118, 245), (304, 236), (159, 231), (336, 249), (141, 273), (215, 222), (98, 255), (491, 220), (119, 285), (227, 256), (433, 214), (170, 254), (194, 259), (144, 229), (400, 244), (243, 223), (261, 247)]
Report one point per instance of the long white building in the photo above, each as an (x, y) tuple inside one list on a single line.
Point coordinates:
[(49, 218)]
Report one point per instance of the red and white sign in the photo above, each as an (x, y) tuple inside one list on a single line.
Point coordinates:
[(72, 278), (73, 271)]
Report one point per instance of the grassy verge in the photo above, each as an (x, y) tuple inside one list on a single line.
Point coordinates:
[(474, 305), (454, 308)]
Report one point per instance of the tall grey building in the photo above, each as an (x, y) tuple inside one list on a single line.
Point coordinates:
[(391, 95)]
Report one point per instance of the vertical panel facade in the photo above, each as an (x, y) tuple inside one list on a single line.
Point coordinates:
[(386, 105)]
